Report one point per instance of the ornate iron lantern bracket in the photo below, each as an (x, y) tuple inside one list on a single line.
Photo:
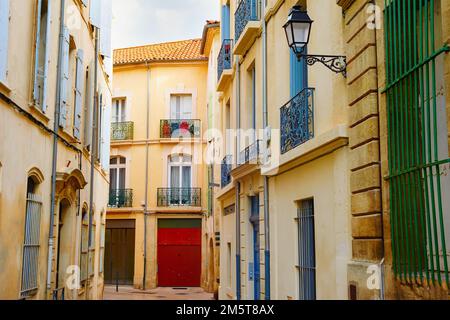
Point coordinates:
[(337, 64)]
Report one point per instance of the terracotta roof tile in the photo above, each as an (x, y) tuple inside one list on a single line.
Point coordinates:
[(186, 50)]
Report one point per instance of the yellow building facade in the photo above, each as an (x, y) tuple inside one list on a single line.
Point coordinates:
[(313, 200), (51, 224), (159, 181)]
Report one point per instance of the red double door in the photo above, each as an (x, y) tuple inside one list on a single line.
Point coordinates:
[(179, 252)]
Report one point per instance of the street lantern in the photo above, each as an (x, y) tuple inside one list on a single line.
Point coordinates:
[(298, 32), (298, 29)]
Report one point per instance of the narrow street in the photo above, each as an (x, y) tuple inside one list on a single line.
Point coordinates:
[(130, 293)]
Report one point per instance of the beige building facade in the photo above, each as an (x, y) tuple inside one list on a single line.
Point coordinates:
[(51, 225)]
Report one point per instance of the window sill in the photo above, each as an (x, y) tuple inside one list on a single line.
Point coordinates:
[(37, 112), (5, 87), (68, 136)]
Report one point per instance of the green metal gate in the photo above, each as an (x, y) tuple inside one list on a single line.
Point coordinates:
[(417, 141)]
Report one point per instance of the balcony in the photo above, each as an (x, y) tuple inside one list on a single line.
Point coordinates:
[(121, 198), (225, 65), (247, 25), (251, 154), (227, 166), (180, 128), (297, 120), (179, 197), (122, 131)]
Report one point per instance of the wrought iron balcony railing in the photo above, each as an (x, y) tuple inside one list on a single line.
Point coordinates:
[(251, 154), (179, 197), (248, 10), (122, 131), (227, 166), (180, 128), (121, 198), (225, 59), (297, 120)]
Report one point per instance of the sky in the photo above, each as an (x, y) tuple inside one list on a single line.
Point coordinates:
[(141, 22)]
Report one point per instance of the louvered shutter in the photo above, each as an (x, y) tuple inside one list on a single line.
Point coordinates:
[(4, 36), (37, 73), (64, 92), (79, 84)]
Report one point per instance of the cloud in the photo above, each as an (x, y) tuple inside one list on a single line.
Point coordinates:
[(140, 22)]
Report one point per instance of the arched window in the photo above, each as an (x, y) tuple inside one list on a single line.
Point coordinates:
[(31, 244)]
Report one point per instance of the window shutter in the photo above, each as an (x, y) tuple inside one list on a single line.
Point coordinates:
[(95, 13), (47, 56), (88, 117), (37, 44), (63, 99), (298, 75), (106, 132), (225, 22), (105, 34), (79, 84), (4, 36)]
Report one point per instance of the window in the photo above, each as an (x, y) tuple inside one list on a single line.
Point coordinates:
[(31, 245), (102, 242), (41, 58), (84, 244), (417, 142), (117, 173), (181, 107), (118, 111), (306, 250), (78, 94), (4, 36), (180, 179)]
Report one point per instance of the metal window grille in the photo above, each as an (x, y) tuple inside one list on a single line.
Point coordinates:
[(417, 142), (306, 251), (30, 264)]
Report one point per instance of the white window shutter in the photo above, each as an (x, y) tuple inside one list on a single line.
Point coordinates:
[(105, 28), (4, 36), (64, 92), (95, 13), (79, 84)]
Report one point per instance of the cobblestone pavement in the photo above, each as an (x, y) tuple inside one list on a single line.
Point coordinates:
[(130, 293)]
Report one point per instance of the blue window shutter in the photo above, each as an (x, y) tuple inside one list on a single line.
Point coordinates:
[(64, 92), (225, 22), (37, 44), (105, 34), (298, 74), (47, 56), (106, 132), (95, 13), (4, 36), (79, 84)]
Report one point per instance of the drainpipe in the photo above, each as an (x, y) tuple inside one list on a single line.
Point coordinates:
[(146, 177), (238, 185), (238, 242), (94, 153), (55, 148), (266, 178)]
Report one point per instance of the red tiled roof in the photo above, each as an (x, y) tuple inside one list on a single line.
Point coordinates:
[(185, 50)]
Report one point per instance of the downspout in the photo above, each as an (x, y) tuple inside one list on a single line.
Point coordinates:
[(55, 148), (94, 153), (266, 178), (238, 185), (146, 178)]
